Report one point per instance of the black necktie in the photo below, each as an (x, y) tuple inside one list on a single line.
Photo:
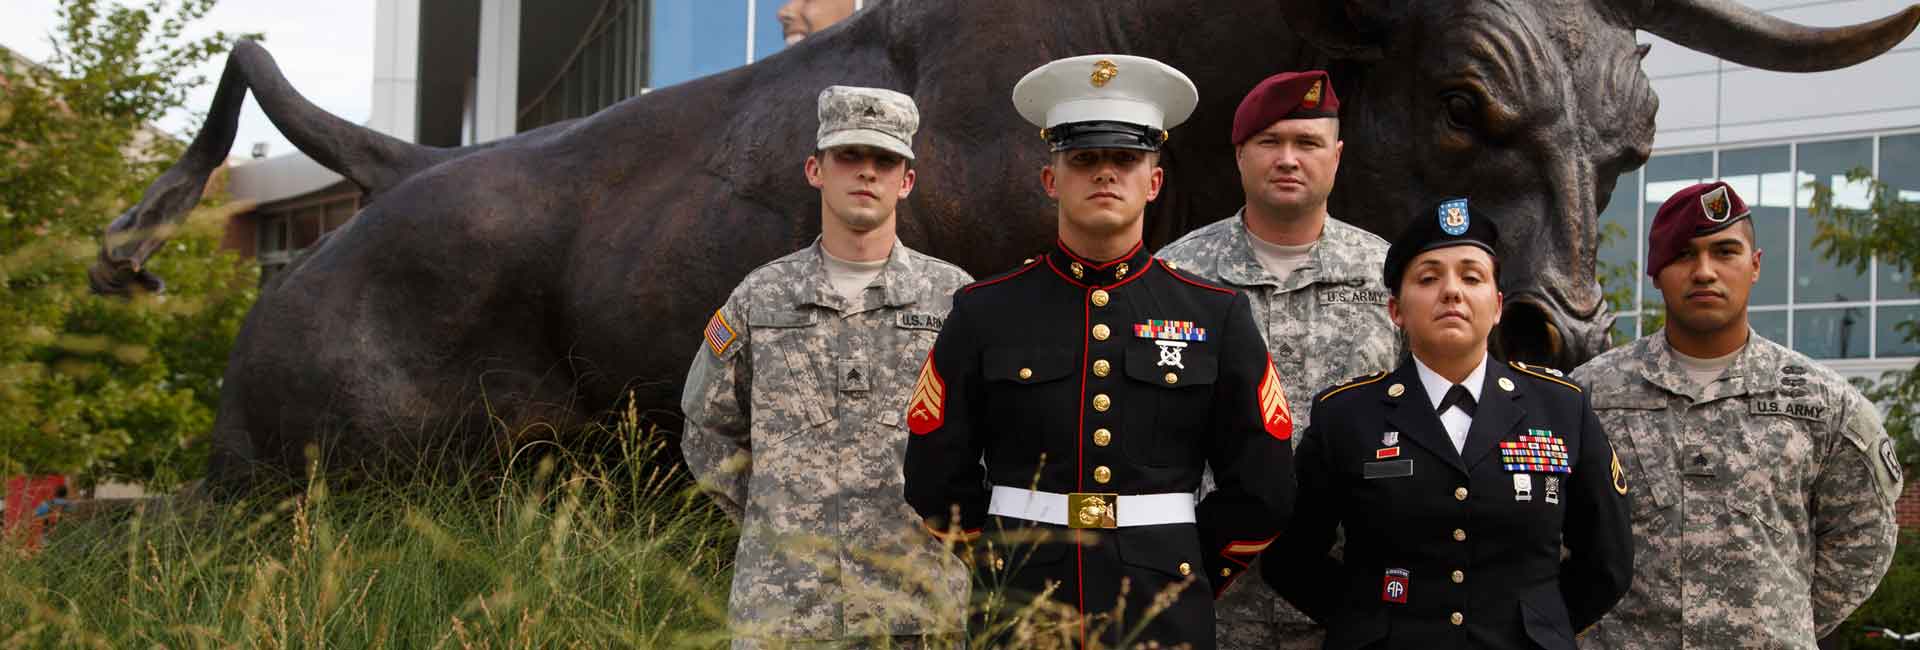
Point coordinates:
[(1456, 396)]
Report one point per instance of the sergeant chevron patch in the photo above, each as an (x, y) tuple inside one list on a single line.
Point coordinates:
[(927, 411), (1274, 412)]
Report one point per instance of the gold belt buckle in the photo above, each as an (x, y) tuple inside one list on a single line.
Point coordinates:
[(1093, 510)]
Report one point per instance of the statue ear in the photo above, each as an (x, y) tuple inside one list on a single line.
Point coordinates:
[(1349, 29)]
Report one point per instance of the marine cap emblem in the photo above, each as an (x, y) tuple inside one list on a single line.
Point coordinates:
[(1103, 71), (1715, 203), (1312, 99), (1454, 217)]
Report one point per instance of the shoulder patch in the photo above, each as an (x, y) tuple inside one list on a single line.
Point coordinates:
[(1349, 384), (1545, 373), (720, 334), (1183, 277)]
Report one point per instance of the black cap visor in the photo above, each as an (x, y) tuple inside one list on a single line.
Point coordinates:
[(1104, 135)]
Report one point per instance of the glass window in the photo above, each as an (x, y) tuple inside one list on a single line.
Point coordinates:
[(1769, 324), (1900, 169), (273, 233), (1619, 250), (1764, 179), (694, 38), (1667, 175), (1892, 339), (1831, 333), (1826, 164), (768, 37)]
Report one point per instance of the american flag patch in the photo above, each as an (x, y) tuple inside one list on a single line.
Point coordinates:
[(720, 335)]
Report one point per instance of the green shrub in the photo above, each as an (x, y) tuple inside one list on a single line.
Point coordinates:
[(1895, 605)]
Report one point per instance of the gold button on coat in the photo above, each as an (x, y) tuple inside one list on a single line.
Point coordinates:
[(1101, 332), (1459, 576), (1186, 569), (1026, 373), (1101, 437), (1101, 368), (999, 563), (1173, 378), (1457, 618), (1100, 297), (1226, 573), (1459, 494), (1101, 474), (1459, 535), (1101, 402)]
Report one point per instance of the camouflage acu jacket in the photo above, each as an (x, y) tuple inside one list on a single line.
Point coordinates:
[(1762, 503), (794, 426), (1327, 323)]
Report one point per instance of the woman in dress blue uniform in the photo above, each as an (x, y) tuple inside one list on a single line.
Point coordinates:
[(1458, 479)]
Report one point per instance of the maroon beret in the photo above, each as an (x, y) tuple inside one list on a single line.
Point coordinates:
[(1285, 96), (1699, 210)]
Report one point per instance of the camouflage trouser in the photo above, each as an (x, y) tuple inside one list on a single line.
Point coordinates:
[(1250, 616)]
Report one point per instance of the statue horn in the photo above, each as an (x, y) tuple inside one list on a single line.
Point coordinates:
[(1740, 34)]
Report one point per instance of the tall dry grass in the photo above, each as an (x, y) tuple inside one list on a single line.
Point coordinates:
[(611, 551)]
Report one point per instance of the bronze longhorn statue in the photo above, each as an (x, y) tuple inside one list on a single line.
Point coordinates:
[(541, 277)]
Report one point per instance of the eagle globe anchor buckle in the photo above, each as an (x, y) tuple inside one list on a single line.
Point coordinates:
[(1093, 510)]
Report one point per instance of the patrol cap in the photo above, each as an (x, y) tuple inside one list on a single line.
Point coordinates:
[(1699, 210), (1448, 223), (1105, 101), (1303, 95), (876, 117)]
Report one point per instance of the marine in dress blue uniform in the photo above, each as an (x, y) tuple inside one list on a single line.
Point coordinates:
[(1070, 406), (1456, 498)]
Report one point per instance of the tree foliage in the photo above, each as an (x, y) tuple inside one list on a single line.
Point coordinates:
[(103, 387), (1887, 228)]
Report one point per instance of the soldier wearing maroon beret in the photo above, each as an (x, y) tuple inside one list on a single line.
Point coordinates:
[(1312, 279), (1764, 483)]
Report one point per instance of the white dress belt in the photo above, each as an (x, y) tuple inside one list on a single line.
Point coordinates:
[(1130, 509)]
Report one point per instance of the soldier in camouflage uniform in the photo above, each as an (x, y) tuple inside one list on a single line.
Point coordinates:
[(1765, 485), (794, 420), (1314, 282)]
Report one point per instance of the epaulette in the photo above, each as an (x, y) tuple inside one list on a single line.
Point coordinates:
[(1546, 373), (1004, 276), (1348, 384), (1183, 276)]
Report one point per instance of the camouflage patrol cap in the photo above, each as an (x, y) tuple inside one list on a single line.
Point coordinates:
[(874, 117)]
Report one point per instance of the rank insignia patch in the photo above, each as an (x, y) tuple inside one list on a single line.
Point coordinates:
[(1619, 475), (1275, 415), (1170, 330), (927, 410), (1453, 217), (720, 335)]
